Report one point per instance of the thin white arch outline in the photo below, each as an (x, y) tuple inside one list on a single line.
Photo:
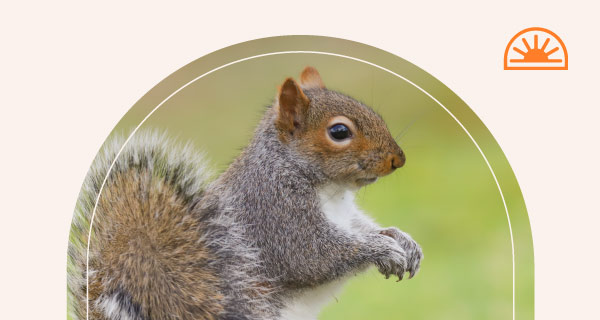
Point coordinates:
[(512, 243)]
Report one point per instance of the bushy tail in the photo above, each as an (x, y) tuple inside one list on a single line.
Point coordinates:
[(147, 168)]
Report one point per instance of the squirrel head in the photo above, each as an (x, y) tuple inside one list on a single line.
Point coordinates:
[(348, 141)]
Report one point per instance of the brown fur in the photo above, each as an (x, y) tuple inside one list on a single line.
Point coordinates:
[(150, 251)]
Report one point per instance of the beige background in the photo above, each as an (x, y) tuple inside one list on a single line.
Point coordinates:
[(55, 55)]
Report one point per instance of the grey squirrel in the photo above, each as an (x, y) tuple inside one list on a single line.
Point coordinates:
[(273, 237)]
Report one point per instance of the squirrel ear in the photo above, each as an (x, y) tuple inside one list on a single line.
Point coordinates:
[(310, 78), (293, 105)]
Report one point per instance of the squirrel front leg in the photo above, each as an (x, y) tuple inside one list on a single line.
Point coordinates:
[(327, 253), (331, 254)]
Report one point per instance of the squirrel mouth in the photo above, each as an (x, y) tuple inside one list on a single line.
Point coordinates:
[(365, 181)]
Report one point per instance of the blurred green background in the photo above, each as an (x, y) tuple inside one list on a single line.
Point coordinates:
[(445, 196)]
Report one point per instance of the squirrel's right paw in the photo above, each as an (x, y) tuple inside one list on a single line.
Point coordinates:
[(390, 258)]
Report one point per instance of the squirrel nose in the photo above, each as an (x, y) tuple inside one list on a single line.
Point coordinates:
[(397, 160)]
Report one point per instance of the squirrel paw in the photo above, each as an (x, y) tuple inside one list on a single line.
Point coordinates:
[(391, 258), (414, 253)]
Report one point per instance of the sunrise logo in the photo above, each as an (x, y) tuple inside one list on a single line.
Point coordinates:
[(524, 51)]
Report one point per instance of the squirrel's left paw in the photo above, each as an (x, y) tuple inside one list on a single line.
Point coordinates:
[(414, 253)]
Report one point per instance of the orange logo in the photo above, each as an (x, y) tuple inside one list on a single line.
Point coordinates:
[(523, 51)]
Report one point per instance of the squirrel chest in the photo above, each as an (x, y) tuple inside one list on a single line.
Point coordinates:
[(338, 206)]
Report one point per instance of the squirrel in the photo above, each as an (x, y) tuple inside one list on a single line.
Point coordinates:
[(273, 237)]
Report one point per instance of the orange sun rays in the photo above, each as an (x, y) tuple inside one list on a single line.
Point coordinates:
[(535, 54)]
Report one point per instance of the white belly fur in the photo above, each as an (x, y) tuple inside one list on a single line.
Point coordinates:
[(339, 208), (308, 304)]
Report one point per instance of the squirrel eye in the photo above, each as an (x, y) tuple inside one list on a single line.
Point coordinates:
[(339, 132)]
